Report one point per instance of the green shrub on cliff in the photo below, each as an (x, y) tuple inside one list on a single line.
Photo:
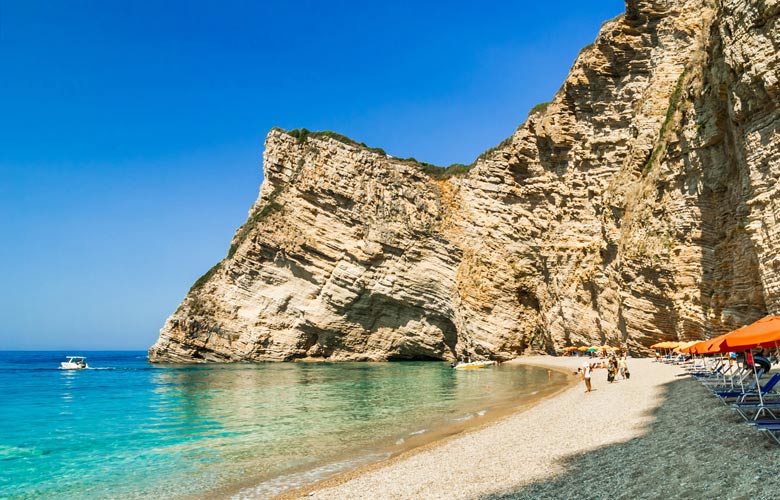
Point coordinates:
[(539, 107), (674, 102), (302, 134), (203, 279), (434, 171), (486, 154), (445, 172)]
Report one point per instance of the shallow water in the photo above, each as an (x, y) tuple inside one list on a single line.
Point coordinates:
[(128, 429)]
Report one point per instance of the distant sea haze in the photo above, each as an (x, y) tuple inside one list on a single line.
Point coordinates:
[(129, 429)]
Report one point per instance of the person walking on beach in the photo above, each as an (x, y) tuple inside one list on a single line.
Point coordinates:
[(622, 368), (611, 369), (586, 375)]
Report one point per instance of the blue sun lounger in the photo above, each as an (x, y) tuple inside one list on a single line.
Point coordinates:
[(770, 426), (740, 396), (751, 410)]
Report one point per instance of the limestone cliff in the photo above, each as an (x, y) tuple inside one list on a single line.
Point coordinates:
[(639, 205)]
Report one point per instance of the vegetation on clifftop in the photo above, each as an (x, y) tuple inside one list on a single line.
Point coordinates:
[(486, 154), (433, 171), (203, 279), (539, 107), (301, 134), (270, 206)]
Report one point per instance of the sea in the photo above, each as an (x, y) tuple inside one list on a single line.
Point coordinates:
[(125, 428)]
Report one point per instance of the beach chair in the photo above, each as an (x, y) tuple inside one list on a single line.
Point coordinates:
[(769, 426), (751, 410), (707, 374), (731, 379), (739, 396)]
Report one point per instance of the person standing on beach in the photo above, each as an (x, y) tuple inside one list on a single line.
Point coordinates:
[(586, 375), (611, 369), (622, 368)]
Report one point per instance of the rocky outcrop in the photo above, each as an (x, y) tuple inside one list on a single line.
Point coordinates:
[(639, 205)]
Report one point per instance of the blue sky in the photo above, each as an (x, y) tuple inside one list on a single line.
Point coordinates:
[(131, 133)]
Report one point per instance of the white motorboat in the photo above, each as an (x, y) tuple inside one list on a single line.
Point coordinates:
[(74, 363)]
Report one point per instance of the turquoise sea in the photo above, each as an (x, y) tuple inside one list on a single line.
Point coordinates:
[(128, 429)]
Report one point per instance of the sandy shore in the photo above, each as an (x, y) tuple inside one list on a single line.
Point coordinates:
[(657, 435)]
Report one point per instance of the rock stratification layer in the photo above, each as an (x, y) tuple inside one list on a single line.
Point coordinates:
[(639, 205)]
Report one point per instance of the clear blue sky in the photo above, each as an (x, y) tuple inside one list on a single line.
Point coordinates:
[(131, 132)]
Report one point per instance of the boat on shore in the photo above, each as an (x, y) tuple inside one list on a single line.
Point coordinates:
[(474, 365), (74, 363)]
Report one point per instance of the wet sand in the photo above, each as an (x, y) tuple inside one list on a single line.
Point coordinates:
[(657, 435)]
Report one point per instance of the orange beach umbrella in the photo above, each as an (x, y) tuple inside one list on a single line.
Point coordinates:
[(711, 346), (665, 345), (694, 346), (684, 346), (764, 332)]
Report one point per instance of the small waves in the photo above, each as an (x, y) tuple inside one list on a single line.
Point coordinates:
[(469, 416), (276, 486)]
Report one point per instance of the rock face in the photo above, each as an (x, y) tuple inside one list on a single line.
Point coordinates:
[(640, 205)]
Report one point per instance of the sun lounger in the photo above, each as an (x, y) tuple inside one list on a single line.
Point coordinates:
[(737, 381), (743, 395), (707, 374), (751, 410), (770, 427)]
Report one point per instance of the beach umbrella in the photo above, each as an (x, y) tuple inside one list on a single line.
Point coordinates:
[(583, 349), (698, 348), (691, 347), (712, 346), (685, 346), (764, 332)]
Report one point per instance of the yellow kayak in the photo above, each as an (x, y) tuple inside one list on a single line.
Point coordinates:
[(474, 365)]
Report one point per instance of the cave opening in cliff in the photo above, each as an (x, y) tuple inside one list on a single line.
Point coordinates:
[(413, 357)]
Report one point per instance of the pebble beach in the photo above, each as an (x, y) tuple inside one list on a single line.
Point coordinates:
[(658, 435)]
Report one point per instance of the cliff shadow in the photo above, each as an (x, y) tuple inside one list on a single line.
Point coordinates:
[(429, 335), (694, 447), (731, 287)]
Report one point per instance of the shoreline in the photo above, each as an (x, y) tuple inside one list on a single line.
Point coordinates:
[(657, 434), (356, 465), (442, 438)]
